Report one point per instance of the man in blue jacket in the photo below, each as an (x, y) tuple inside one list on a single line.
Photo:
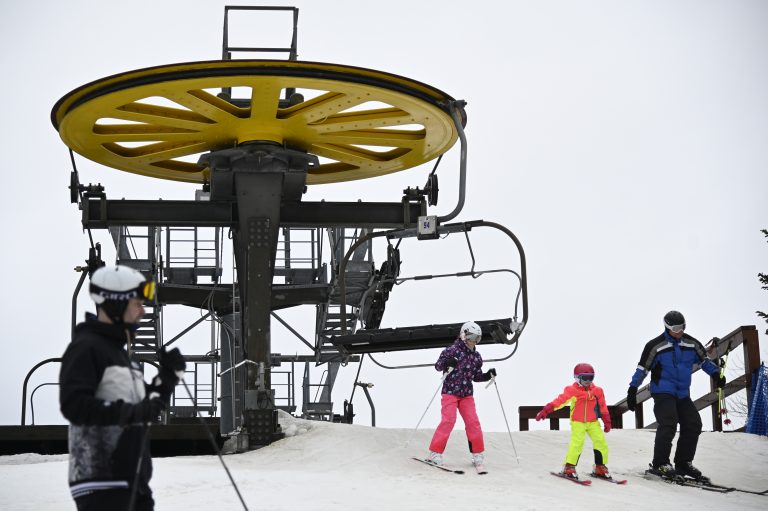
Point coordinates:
[(671, 358)]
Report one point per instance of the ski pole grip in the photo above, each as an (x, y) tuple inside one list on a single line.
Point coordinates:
[(445, 375)]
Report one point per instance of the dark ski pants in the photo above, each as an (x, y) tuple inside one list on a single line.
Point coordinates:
[(114, 500), (671, 411)]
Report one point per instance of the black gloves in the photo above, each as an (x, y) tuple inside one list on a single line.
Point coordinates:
[(720, 381), (143, 412), (490, 373), (451, 362), (172, 361), (171, 364), (632, 398)]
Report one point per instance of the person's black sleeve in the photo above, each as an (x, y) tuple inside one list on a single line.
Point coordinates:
[(78, 380), (143, 412), (485, 376)]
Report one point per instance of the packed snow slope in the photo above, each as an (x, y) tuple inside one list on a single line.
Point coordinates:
[(324, 466)]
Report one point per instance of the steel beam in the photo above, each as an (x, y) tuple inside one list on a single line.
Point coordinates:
[(100, 213)]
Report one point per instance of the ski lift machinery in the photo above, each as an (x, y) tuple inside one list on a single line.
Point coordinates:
[(256, 154)]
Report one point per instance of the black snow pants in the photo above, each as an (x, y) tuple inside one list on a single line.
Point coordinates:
[(114, 500), (671, 411)]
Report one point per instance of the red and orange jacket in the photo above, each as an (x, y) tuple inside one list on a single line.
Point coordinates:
[(587, 404)]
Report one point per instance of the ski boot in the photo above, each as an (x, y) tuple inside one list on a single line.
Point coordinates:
[(688, 470), (478, 459), (569, 471), (601, 471), (435, 458), (664, 471)]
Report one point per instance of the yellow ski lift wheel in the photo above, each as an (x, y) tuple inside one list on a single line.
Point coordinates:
[(157, 121)]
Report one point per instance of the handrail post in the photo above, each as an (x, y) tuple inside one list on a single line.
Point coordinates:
[(24, 387), (83, 273), (751, 358)]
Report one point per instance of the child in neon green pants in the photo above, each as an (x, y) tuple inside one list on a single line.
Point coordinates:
[(587, 403)]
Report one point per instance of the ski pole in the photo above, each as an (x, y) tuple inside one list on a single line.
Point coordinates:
[(493, 380), (721, 408), (144, 441), (430, 404), (215, 446)]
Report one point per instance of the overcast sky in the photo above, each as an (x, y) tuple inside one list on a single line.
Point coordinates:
[(624, 143)]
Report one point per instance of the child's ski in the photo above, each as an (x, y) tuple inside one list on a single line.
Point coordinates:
[(609, 479), (583, 482), (441, 467)]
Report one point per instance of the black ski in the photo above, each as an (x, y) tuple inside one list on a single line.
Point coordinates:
[(704, 484), (441, 467)]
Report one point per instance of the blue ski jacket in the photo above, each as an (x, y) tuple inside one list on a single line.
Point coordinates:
[(671, 363)]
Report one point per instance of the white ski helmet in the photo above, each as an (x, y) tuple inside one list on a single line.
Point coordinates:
[(113, 286), (470, 330)]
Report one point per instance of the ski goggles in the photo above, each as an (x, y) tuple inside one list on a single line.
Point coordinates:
[(472, 337), (585, 378), (675, 328), (145, 291)]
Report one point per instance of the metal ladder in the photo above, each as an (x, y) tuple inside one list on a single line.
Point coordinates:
[(140, 250)]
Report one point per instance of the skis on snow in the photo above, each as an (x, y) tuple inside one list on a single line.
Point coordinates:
[(480, 469), (444, 468), (583, 482), (704, 484), (608, 479)]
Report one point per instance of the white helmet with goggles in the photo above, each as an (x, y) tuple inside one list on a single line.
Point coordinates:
[(112, 287), (470, 331)]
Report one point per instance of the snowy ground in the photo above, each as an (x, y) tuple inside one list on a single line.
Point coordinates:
[(327, 466)]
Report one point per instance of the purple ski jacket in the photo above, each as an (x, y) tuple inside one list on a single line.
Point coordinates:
[(468, 369)]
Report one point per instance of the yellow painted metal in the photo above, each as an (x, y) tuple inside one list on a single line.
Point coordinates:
[(157, 121)]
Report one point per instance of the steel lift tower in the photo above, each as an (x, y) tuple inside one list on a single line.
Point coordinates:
[(254, 134)]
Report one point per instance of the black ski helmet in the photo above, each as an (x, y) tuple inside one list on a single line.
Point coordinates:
[(112, 287), (674, 320)]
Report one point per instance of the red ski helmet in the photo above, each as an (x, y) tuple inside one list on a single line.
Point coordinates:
[(583, 368), (584, 373)]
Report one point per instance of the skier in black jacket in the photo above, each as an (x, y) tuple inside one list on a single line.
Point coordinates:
[(671, 359), (104, 397)]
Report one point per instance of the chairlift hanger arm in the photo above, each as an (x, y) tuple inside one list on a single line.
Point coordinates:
[(459, 119)]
